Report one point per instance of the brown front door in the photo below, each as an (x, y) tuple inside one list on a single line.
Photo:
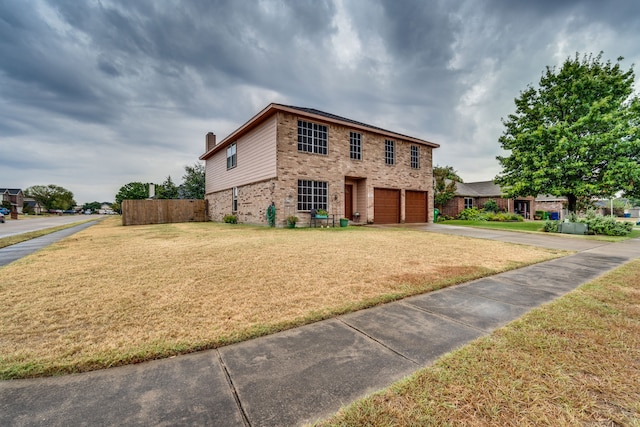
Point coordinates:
[(348, 201)]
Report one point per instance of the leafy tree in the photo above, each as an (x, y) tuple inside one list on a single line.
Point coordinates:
[(132, 191), (94, 206), (51, 196), (193, 185), (445, 184), (168, 190), (576, 135)]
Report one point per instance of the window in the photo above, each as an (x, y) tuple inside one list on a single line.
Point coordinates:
[(312, 195), (389, 152), (355, 146), (415, 157), (468, 202), (234, 200), (231, 156), (312, 137)]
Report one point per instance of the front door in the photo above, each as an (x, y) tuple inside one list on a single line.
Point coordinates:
[(348, 201)]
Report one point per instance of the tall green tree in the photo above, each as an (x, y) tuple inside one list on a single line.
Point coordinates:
[(575, 135), (193, 182), (167, 190), (51, 196), (132, 191), (445, 178), (94, 206)]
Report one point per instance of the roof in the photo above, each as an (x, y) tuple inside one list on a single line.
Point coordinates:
[(11, 191), (550, 198), (478, 189), (312, 114)]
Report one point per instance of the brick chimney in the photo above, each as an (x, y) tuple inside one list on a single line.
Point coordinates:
[(210, 141)]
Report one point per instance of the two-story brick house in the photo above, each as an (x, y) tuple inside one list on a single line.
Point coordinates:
[(14, 196), (301, 159)]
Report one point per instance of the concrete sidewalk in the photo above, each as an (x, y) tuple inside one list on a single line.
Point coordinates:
[(307, 373), (14, 252)]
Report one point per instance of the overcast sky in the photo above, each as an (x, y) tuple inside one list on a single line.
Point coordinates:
[(96, 94)]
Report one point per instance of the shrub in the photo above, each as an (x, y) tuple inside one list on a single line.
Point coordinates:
[(597, 224), (608, 226), (471, 214), (491, 206), (551, 226), (230, 219)]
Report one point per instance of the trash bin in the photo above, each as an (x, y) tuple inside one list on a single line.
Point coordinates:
[(545, 216), (436, 212), (344, 222), (555, 216)]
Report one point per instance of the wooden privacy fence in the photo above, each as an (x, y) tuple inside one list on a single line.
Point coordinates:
[(162, 211)]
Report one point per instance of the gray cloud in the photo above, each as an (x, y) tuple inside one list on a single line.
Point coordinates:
[(96, 94)]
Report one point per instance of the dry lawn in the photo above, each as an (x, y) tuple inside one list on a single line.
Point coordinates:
[(112, 295), (573, 362)]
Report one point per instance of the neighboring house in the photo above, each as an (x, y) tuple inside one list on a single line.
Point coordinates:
[(13, 196), (301, 159), (549, 203), (34, 205), (476, 194)]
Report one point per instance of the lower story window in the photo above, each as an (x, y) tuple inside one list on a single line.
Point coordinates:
[(468, 202), (234, 200), (312, 195)]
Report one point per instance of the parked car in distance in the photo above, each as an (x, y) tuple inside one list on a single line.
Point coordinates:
[(4, 211), (1, 218)]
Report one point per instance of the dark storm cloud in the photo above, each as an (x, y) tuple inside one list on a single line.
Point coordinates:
[(125, 90)]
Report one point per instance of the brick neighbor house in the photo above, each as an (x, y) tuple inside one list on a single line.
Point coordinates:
[(476, 194), (14, 196), (301, 159)]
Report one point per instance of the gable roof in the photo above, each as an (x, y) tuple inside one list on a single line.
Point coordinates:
[(310, 113), (11, 191), (478, 189)]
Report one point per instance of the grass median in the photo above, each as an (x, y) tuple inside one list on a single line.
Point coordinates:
[(113, 295), (575, 361)]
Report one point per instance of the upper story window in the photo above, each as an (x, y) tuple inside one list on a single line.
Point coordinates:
[(390, 152), (312, 195), (231, 156), (468, 202), (415, 157), (355, 146), (312, 137)]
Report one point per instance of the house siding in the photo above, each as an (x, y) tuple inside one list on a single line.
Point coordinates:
[(256, 160)]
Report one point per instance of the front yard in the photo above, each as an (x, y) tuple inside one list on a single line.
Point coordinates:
[(112, 295)]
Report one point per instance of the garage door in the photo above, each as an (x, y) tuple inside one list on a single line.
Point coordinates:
[(386, 206), (416, 206)]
